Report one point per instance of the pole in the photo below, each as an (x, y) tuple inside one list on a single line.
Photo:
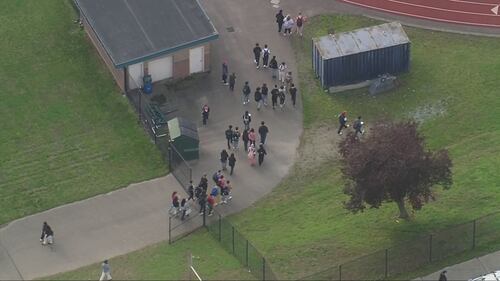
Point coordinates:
[(386, 262), (430, 248), (169, 230), (247, 253), (140, 105), (233, 239), (169, 149), (473, 234), (263, 269)]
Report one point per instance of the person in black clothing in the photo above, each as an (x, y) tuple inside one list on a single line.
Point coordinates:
[(258, 98), (223, 159), (264, 91), (442, 276), (47, 234), (293, 93), (358, 126), (257, 50), (198, 191), (245, 139), (232, 163), (246, 93), (205, 110), (204, 183), (261, 151), (190, 190), (274, 96), (229, 136), (232, 81), (202, 200), (263, 130), (247, 118), (273, 65), (342, 122), (280, 18)]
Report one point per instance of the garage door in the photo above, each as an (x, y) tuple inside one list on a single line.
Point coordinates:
[(196, 60), (160, 68), (135, 73)]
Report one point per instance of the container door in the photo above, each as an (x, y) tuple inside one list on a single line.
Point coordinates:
[(196, 60), (161, 68), (135, 74)]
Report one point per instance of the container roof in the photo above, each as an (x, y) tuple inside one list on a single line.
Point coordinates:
[(182, 127), (132, 31), (361, 40)]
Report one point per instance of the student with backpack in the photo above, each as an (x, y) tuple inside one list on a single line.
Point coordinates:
[(265, 56), (247, 118), (264, 91), (282, 72), (223, 159), (229, 136), (293, 93), (358, 126), (299, 22), (257, 50), (232, 163), (232, 81), (280, 18), (205, 110), (236, 138), (245, 139), (274, 96), (273, 65), (246, 93), (282, 97), (258, 98), (342, 122)]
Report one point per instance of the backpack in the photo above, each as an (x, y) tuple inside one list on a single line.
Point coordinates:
[(246, 90), (246, 119), (299, 21), (215, 191), (236, 136)]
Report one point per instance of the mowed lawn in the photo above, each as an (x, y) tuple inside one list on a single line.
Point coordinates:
[(169, 262), (452, 87), (66, 132)]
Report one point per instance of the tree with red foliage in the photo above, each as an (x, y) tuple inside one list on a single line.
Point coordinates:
[(391, 164)]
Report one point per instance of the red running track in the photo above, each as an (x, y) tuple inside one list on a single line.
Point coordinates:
[(469, 12)]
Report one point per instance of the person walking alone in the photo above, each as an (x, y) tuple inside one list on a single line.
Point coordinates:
[(106, 271), (264, 91), (273, 65), (232, 163), (232, 81), (274, 96), (257, 50), (262, 152), (223, 159), (282, 72), (263, 131), (247, 118), (265, 56), (246, 93), (245, 139), (258, 98), (299, 22), (280, 18), (225, 72), (236, 138), (229, 136), (342, 122), (293, 93), (205, 110), (47, 236), (282, 97)]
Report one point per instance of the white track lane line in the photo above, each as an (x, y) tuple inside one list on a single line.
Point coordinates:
[(476, 3), (442, 9), (421, 17)]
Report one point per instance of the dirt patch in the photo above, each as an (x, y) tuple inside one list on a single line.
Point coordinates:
[(429, 111), (317, 146)]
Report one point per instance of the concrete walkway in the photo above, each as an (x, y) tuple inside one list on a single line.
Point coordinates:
[(134, 217)]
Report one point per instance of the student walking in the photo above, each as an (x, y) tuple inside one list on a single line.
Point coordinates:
[(299, 22), (205, 110), (245, 139), (264, 91), (210, 205), (293, 93), (246, 93), (252, 137), (258, 98), (274, 96), (190, 190), (280, 18), (229, 136), (257, 50), (288, 80), (282, 72), (247, 118), (342, 122), (282, 97), (204, 183), (265, 56), (358, 127), (236, 138), (202, 201), (223, 159), (262, 152), (263, 131), (106, 271), (251, 155), (273, 65), (225, 72), (288, 25), (232, 81), (47, 236), (232, 163)]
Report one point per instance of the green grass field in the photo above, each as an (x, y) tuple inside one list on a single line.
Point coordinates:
[(302, 227), (169, 262), (66, 132)]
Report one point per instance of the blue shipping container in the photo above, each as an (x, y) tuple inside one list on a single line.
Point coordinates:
[(362, 54)]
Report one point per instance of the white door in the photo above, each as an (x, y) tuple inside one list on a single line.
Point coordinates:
[(160, 68), (196, 60), (135, 74)]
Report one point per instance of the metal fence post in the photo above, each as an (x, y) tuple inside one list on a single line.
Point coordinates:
[(203, 210), (430, 247), (340, 272), (220, 229), (386, 262), (263, 269), (169, 230), (247, 253), (473, 234), (190, 174), (233, 239)]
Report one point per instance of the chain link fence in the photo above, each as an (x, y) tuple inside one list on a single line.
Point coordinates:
[(412, 255)]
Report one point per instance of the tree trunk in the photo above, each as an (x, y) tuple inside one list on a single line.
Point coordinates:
[(403, 214)]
